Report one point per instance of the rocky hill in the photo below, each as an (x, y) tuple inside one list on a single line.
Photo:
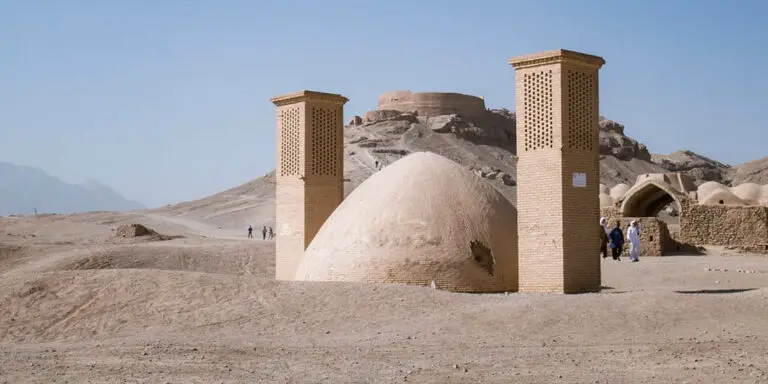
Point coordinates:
[(750, 172), (702, 168), (699, 167)]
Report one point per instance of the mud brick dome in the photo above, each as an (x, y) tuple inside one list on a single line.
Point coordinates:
[(422, 218), (714, 193)]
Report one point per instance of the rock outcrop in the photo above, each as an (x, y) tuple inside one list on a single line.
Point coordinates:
[(700, 168), (613, 142), (355, 120), (134, 230), (495, 127), (493, 174), (384, 115), (750, 172), (138, 232)]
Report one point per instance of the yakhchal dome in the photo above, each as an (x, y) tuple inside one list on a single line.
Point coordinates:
[(423, 218)]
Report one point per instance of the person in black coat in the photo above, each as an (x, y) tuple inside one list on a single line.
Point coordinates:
[(617, 241)]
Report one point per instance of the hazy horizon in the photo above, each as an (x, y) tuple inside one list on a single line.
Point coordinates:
[(166, 102)]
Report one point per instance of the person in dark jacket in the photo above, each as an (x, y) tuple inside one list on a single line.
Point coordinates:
[(617, 241)]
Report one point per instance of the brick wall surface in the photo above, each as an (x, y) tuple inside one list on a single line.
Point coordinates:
[(289, 215), (540, 222)]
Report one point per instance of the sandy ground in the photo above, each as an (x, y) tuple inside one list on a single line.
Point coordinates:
[(79, 306)]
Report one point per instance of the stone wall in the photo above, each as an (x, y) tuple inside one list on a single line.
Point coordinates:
[(743, 227), (655, 239), (433, 103)]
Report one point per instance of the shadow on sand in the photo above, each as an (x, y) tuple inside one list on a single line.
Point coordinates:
[(611, 290), (716, 291), (680, 249)]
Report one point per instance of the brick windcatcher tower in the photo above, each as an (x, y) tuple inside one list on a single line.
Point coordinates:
[(310, 171), (558, 171)]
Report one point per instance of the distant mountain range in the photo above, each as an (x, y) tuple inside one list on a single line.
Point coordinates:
[(25, 189)]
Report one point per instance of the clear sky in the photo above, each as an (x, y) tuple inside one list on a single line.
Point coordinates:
[(169, 100)]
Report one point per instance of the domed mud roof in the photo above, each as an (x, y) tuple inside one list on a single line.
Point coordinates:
[(424, 218), (722, 197), (747, 191), (705, 189)]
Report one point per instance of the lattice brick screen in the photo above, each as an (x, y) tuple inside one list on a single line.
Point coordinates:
[(325, 130), (581, 110), (290, 143), (538, 105)]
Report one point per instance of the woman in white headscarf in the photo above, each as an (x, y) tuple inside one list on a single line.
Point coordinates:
[(633, 235), (604, 224)]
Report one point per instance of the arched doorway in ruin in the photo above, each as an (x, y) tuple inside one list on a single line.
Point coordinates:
[(648, 200), (660, 203)]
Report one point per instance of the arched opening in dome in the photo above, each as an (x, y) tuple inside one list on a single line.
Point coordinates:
[(482, 255)]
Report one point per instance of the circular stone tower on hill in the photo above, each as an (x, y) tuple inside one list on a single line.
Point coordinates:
[(433, 103)]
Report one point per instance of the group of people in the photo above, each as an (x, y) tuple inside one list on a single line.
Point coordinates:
[(265, 233), (614, 239)]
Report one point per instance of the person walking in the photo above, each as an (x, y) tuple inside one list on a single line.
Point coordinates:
[(271, 233), (250, 232), (603, 238), (633, 235), (617, 241), (264, 233)]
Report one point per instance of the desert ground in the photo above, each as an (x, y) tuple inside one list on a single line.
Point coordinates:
[(80, 305)]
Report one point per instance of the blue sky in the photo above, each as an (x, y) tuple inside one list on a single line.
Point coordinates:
[(169, 100)]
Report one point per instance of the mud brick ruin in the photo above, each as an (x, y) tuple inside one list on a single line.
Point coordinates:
[(425, 220), (710, 214)]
